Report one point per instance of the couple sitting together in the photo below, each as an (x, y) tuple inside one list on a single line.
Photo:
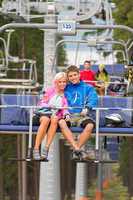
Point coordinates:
[(61, 104)]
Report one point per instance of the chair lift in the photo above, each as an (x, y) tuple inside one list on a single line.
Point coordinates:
[(98, 44), (116, 80), (14, 66)]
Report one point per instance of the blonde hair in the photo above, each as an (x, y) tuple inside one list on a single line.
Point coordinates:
[(101, 66), (59, 75)]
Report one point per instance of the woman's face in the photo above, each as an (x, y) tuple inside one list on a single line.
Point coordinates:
[(101, 68), (61, 83)]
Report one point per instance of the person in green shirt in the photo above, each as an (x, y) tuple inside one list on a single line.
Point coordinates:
[(102, 77)]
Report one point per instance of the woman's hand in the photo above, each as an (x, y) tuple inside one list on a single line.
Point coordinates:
[(67, 117)]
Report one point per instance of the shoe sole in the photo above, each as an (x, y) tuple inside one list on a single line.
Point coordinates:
[(43, 158)]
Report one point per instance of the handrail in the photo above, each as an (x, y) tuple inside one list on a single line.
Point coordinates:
[(108, 82)]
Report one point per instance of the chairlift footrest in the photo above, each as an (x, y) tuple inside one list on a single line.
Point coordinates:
[(27, 160), (95, 161)]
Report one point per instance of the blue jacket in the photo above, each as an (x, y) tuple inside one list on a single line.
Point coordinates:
[(80, 95)]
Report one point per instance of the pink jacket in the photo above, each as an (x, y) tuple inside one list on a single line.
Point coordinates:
[(50, 92)]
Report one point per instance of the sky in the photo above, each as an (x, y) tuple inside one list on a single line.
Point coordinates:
[(87, 54)]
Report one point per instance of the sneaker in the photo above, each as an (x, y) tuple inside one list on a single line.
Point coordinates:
[(36, 154), (88, 155), (76, 154), (44, 154)]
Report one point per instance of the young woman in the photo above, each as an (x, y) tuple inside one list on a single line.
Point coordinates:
[(102, 78), (51, 112)]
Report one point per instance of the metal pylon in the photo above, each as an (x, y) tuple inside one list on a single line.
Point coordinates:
[(50, 172), (49, 51)]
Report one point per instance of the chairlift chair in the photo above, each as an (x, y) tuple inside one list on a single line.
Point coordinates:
[(28, 77), (25, 67)]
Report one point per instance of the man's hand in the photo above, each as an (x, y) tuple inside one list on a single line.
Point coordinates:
[(84, 112)]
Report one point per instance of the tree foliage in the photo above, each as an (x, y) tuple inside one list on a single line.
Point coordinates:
[(124, 12), (123, 15)]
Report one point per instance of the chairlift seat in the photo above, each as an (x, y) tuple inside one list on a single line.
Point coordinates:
[(115, 69)]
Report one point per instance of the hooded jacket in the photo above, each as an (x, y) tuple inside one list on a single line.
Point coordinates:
[(80, 95)]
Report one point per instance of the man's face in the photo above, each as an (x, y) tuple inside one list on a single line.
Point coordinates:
[(87, 65), (73, 77)]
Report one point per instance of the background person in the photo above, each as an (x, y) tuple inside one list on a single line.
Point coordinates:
[(129, 77), (81, 98), (87, 74), (102, 77), (48, 118)]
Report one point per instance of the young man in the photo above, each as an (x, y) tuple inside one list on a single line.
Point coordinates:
[(81, 99), (87, 74)]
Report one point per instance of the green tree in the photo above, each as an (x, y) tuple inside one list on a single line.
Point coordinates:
[(123, 15)]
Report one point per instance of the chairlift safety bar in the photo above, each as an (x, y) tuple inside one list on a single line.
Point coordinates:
[(35, 107), (61, 42), (98, 109), (55, 26)]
